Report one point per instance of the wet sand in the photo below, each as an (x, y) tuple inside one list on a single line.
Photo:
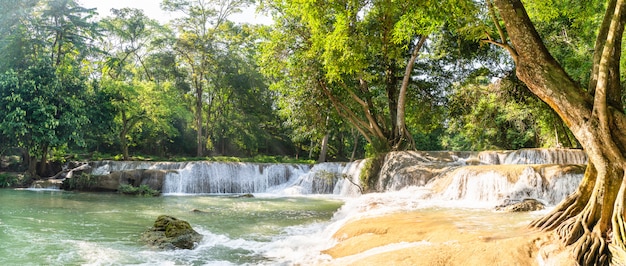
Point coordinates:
[(445, 237)]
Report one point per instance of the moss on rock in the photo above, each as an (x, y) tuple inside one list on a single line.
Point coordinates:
[(170, 233)]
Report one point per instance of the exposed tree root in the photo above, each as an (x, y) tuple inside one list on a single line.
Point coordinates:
[(618, 224), (618, 256), (578, 222), (571, 206), (570, 231), (564, 211), (592, 249)]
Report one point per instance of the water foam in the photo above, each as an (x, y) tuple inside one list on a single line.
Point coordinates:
[(348, 260), (457, 185)]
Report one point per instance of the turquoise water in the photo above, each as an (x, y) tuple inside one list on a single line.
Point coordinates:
[(67, 228)]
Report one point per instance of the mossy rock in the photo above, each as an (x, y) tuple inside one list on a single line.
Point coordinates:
[(171, 233)]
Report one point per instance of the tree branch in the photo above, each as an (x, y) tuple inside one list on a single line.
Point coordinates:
[(503, 43)]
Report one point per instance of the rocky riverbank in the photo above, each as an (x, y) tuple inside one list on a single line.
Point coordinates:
[(443, 237)]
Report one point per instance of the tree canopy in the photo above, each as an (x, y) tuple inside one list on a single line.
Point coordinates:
[(332, 80), (328, 80)]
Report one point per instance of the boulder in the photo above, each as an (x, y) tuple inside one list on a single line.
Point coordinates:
[(153, 178), (171, 233), (526, 205), (136, 177), (414, 168), (72, 169), (47, 184)]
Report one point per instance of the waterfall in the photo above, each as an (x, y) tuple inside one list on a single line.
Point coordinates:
[(528, 156), (281, 179), (504, 183), (546, 156), (351, 174), (321, 179), (488, 176), (227, 177), (220, 177)]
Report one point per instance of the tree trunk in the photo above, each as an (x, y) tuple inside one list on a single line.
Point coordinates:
[(44, 159), (401, 130), (30, 161), (311, 149), (324, 149), (32, 166), (122, 136), (592, 217), (199, 142), (355, 136)]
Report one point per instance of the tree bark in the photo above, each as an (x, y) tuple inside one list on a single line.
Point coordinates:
[(199, 142), (591, 218), (32, 165), (122, 136), (401, 129), (44, 159), (323, 149), (355, 137)]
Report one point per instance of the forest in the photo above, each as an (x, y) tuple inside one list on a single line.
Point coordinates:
[(333, 80), (330, 80)]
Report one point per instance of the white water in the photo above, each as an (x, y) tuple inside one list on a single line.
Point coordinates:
[(451, 173), (444, 180), (237, 178), (493, 186)]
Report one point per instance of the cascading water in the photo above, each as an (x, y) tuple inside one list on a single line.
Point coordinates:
[(498, 183), (488, 177), (449, 173), (268, 230), (321, 179), (215, 177), (546, 156), (225, 177)]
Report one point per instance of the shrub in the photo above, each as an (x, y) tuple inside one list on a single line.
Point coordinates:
[(142, 190), (370, 172), (82, 182), (7, 180)]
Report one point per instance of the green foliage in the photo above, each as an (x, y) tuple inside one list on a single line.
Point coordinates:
[(330, 177), (346, 60), (569, 29), (142, 190), (82, 182), (370, 172), (255, 94), (504, 115), (8, 180), (38, 110), (41, 87)]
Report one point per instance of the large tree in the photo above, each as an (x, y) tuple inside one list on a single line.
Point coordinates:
[(45, 43), (139, 97), (196, 47), (592, 218), (358, 56)]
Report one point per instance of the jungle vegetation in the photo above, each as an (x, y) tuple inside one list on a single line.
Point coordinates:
[(328, 80)]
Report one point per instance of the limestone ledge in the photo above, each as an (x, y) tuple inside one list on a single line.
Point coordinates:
[(442, 238)]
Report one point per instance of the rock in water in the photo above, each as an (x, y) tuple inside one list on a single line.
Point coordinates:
[(526, 205), (171, 233)]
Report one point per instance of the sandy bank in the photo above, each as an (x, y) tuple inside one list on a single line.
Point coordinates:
[(444, 237)]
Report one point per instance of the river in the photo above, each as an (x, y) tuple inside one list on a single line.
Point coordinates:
[(293, 215), (44, 227)]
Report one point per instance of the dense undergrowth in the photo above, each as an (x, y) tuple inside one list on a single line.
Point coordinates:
[(119, 157)]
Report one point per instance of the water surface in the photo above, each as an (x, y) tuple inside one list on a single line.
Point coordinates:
[(67, 228)]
